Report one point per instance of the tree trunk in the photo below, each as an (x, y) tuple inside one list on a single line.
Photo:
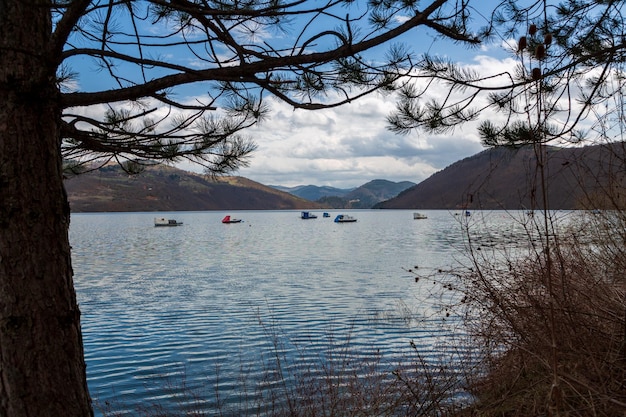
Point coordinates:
[(42, 367)]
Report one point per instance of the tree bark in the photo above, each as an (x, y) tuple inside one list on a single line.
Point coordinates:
[(42, 367)]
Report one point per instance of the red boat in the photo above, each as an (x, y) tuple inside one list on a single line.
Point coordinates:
[(228, 219)]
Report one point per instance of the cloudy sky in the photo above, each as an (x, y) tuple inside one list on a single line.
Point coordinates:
[(348, 146)]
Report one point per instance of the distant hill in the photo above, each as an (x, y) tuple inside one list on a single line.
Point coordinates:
[(313, 192), (363, 197), (504, 178), (373, 192), (163, 188)]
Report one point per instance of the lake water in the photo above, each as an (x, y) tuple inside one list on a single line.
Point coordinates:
[(206, 302)]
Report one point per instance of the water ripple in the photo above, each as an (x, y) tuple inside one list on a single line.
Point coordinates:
[(168, 310)]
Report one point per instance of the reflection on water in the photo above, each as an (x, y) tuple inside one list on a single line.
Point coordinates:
[(204, 301)]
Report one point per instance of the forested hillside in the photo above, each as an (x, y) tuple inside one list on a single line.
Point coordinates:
[(507, 178), (162, 188)]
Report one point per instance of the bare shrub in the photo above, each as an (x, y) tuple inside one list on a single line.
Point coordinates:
[(552, 324)]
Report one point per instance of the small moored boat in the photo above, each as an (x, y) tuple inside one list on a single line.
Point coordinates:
[(228, 219), (163, 222), (419, 216), (344, 218), (326, 214), (305, 215)]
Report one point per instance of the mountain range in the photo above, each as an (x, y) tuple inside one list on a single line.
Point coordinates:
[(363, 197), (497, 178), (314, 192), (165, 188)]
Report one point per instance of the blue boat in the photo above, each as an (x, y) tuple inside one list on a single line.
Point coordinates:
[(326, 214), (305, 215), (344, 218)]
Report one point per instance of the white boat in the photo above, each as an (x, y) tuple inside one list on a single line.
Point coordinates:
[(344, 218), (419, 216), (163, 222)]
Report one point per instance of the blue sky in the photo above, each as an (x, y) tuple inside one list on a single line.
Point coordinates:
[(350, 145)]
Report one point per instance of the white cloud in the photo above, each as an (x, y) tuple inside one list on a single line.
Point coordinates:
[(347, 147), (350, 145)]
